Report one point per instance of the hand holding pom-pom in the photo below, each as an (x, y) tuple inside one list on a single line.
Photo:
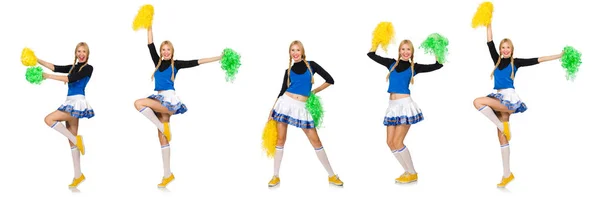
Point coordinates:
[(35, 75), (571, 60), (383, 35), (483, 16), (436, 44), (230, 63), (28, 58), (144, 17)]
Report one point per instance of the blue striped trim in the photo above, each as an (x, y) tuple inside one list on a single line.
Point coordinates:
[(320, 148), (73, 147), (279, 147), (304, 124), (505, 145), (87, 113), (519, 106), (166, 146), (482, 107), (402, 148), (178, 108), (143, 109), (54, 124), (403, 120)]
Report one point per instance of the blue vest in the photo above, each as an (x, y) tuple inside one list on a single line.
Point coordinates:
[(78, 87), (399, 81), (162, 80), (300, 83), (502, 78)]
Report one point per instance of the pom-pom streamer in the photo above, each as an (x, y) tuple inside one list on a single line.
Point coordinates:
[(269, 138), (383, 35), (437, 45), (313, 104), (571, 60), (230, 63), (34, 75), (28, 57), (483, 16), (144, 17)]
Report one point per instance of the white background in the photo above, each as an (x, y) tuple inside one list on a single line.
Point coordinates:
[(216, 144)]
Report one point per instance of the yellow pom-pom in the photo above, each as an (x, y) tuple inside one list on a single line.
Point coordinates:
[(383, 35), (144, 17), (269, 138), (28, 57), (483, 16)]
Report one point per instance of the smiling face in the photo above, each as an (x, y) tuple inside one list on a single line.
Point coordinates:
[(506, 48), (296, 51), (82, 52), (406, 50), (166, 50)]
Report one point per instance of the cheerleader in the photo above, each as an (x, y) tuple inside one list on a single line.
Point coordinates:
[(164, 103), (504, 101), (290, 108), (75, 107), (402, 111)]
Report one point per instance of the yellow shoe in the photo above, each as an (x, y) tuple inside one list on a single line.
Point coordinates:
[(505, 181), (407, 178), (506, 131), (166, 181), (167, 132), (76, 181), (80, 145), (274, 181), (335, 180)]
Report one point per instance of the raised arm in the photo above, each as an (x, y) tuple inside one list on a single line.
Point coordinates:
[(489, 32), (381, 60), (423, 68), (150, 37), (323, 73), (210, 59), (550, 58)]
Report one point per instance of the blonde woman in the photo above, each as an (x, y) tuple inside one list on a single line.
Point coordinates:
[(159, 107), (75, 107), (499, 105), (290, 108), (402, 111)]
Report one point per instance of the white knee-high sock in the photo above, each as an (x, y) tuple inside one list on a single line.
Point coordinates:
[(405, 156), (277, 160), (149, 113), (76, 161), (489, 113), (505, 149), (166, 157), (400, 160), (324, 160), (63, 130)]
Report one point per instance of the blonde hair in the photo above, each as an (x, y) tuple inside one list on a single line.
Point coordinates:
[(512, 60), (303, 56), (412, 62), (166, 42), (87, 56)]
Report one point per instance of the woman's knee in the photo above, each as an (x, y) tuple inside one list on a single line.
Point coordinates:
[(139, 104), (49, 120)]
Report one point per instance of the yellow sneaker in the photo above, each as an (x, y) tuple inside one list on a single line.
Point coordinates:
[(274, 181), (167, 132), (166, 181), (407, 178), (505, 181), (335, 180), (506, 131), (76, 181), (80, 145)]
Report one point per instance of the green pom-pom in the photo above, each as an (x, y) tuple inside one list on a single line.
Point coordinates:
[(34, 75), (436, 44), (313, 104), (230, 63), (571, 60)]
